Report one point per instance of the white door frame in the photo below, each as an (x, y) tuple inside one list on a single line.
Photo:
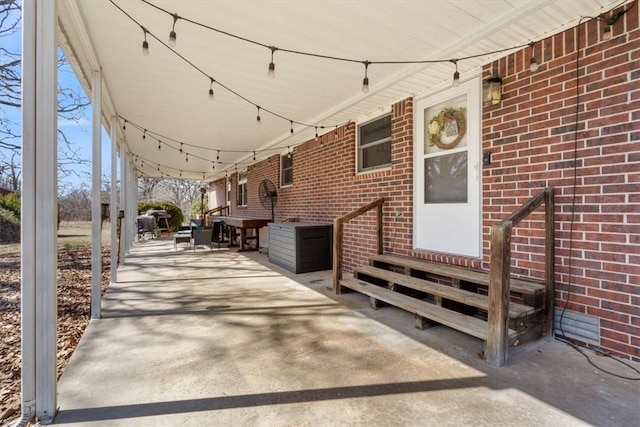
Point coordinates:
[(451, 228)]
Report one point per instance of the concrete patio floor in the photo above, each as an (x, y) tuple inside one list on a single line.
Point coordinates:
[(220, 338)]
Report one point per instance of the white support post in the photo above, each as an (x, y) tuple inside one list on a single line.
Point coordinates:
[(113, 202), (39, 195), (124, 205), (96, 190)]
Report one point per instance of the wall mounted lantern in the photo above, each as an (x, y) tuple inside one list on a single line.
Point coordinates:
[(493, 90)]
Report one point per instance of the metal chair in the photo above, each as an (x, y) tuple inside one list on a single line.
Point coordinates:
[(204, 237)]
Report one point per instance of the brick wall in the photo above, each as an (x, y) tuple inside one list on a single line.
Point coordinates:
[(325, 186), (533, 139)]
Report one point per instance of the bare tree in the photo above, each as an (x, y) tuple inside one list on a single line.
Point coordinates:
[(71, 103), (146, 187)]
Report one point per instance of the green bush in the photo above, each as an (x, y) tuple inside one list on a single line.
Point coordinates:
[(171, 208), (9, 226), (11, 202)]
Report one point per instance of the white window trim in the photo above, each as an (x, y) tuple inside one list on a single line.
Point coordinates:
[(365, 120), (282, 155), (240, 182)]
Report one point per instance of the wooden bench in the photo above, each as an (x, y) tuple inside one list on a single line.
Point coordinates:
[(448, 295)]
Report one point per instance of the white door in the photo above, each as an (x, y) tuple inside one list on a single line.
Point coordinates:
[(447, 171)]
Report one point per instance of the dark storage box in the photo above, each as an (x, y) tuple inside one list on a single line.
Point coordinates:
[(301, 247)]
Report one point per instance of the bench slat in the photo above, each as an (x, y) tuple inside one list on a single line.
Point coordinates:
[(467, 324), (517, 285), (454, 294)]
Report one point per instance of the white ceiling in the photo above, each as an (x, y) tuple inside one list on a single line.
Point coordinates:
[(167, 96)]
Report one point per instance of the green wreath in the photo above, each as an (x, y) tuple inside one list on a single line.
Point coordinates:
[(449, 117)]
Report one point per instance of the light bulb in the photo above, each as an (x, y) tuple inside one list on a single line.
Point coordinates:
[(145, 48), (365, 85), (606, 35), (272, 70), (533, 65), (210, 94), (172, 38), (456, 79)]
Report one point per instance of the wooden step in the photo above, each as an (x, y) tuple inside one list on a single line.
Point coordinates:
[(467, 324), (525, 287), (436, 289)]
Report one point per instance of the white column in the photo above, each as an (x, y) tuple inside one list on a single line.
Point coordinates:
[(96, 190), (124, 205), (39, 195), (113, 202)]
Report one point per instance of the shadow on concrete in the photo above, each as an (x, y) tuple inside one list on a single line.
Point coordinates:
[(261, 399)]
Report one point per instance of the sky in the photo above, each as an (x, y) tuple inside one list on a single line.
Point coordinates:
[(78, 133)]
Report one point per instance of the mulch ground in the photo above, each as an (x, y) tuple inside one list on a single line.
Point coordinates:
[(74, 289)]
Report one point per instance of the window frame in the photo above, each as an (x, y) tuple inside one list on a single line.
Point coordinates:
[(282, 169), (359, 149), (242, 183)]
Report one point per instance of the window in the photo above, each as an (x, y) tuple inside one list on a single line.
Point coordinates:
[(374, 144), (286, 170), (242, 188)]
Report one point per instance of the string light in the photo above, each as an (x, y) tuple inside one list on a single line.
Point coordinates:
[(273, 49), (124, 126), (218, 156), (288, 152), (144, 134), (291, 121), (456, 74), (145, 43), (533, 64), (258, 116), (254, 156), (272, 67), (365, 81), (211, 89), (180, 174), (172, 34), (316, 133), (186, 158), (181, 147), (159, 145)]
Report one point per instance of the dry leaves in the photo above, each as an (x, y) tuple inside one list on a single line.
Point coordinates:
[(74, 289)]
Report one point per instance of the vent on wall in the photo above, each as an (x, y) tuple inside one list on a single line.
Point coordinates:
[(578, 325)]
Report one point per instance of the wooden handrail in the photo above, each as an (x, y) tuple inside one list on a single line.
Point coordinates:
[(496, 346), (338, 229), (218, 209)]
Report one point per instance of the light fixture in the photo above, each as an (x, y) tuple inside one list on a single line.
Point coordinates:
[(365, 81), (456, 74), (145, 43), (124, 125), (218, 156), (272, 67), (211, 89), (159, 145), (609, 22), (494, 90), (144, 134), (533, 64), (288, 152), (291, 122), (258, 121), (172, 34), (181, 146)]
